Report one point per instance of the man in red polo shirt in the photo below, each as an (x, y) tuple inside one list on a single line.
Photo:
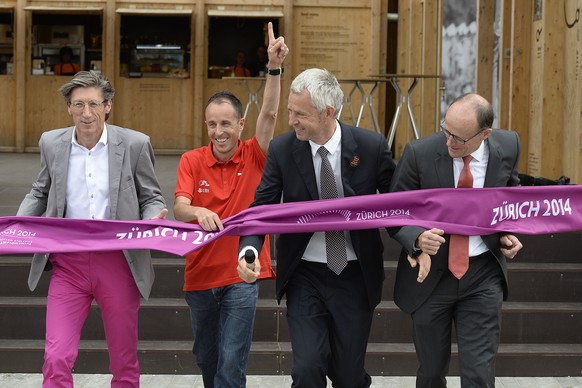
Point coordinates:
[(216, 182)]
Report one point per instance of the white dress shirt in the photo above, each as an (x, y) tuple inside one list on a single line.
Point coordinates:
[(315, 251), (88, 181)]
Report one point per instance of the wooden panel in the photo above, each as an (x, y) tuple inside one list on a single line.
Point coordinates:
[(539, 88), (199, 61), (419, 52), (64, 8), (484, 62), (7, 110), (158, 107), (245, 13), (429, 97), (404, 130), (572, 97), (548, 141), (379, 45), (338, 40), (21, 68), (45, 107), (154, 11), (519, 83), (332, 38), (332, 3), (536, 94), (416, 46), (504, 65)]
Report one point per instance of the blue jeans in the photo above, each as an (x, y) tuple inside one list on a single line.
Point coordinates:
[(222, 324)]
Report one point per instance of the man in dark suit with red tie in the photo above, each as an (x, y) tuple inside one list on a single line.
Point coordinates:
[(443, 279)]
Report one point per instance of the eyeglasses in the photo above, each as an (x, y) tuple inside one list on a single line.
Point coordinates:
[(458, 139), (79, 106)]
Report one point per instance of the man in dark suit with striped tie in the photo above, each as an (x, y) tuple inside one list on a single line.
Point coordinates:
[(332, 281)]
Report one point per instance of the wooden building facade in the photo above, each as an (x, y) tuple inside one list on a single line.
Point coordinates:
[(539, 86)]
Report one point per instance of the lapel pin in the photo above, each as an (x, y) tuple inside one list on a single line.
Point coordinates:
[(355, 161)]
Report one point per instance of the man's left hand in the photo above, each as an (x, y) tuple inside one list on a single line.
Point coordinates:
[(423, 261), (162, 215), (510, 245)]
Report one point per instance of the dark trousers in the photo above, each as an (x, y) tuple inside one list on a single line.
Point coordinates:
[(329, 322), (473, 303)]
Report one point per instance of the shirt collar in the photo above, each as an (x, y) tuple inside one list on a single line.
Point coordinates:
[(211, 160), (479, 153), (102, 139), (332, 144)]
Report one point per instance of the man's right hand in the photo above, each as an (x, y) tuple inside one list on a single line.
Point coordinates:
[(247, 274), (208, 220), (430, 241)]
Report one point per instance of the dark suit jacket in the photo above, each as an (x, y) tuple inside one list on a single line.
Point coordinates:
[(134, 192), (289, 174), (426, 164)]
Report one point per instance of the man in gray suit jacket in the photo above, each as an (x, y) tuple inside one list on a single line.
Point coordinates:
[(93, 171), (425, 286)]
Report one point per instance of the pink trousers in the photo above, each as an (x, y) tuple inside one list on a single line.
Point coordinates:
[(76, 280)]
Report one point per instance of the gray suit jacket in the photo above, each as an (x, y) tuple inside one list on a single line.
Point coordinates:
[(426, 164), (134, 191)]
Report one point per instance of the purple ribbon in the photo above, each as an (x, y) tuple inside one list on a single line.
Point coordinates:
[(525, 210)]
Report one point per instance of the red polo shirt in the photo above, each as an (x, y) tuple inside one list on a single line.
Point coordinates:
[(226, 189)]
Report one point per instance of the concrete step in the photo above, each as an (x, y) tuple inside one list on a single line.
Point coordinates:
[(275, 358), (550, 248), (168, 319), (528, 282)]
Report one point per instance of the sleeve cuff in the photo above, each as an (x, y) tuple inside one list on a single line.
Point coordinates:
[(241, 254)]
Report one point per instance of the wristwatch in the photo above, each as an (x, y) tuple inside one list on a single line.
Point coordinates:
[(275, 71), (415, 253)]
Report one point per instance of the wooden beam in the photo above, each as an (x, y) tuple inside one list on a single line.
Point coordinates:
[(198, 65), (504, 68), (21, 69), (519, 81), (572, 96), (485, 43)]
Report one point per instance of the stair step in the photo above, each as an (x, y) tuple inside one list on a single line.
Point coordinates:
[(275, 358), (528, 282), (550, 248), (523, 322)]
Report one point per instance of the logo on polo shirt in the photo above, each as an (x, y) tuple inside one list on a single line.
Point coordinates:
[(203, 186)]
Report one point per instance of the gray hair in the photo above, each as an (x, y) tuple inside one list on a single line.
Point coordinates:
[(323, 87), (88, 79)]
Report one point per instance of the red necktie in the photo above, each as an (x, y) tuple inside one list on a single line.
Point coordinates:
[(459, 245)]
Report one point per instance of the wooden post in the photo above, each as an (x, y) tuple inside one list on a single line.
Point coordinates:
[(485, 43), (519, 82), (21, 68), (504, 65), (572, 96), (198, 67), (419, 52), (547, 98)]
